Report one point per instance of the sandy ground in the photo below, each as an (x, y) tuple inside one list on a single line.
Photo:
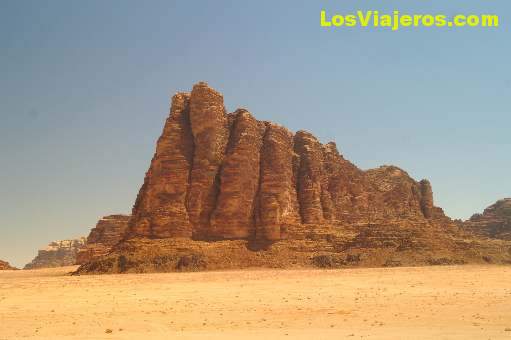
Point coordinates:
[(465, 302)]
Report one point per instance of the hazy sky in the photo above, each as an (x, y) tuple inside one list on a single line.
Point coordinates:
[(85, 89)]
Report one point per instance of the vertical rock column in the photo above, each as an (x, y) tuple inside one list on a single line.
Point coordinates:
[(310, 177), (347, 193), (277, 207), (210, 131), (329, 172), (239, 178), (160, 210), (426, 198)]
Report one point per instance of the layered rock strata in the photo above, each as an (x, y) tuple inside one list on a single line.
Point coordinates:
[(229, 176), (57, 254), (494, 222), (106, 234), (225, 190)]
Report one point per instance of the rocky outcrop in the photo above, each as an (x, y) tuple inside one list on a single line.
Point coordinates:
[(161, 207), (219, 179), (228, 176), (210, 129), (108, 232), (57, 254), (494, 222), (233, 214), (276, 203), (6, 266)]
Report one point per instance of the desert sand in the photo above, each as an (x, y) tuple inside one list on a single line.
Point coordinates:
[(451, 302)]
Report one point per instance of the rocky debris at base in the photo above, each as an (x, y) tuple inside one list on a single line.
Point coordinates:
[(225, 190), (108, 232)]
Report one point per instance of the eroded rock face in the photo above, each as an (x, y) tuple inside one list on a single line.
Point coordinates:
[(228, 176), (57, 254), (210, 130), (313, 196), (494, 222), (161, 207), (108, 232), (6, 266), (233, 216), (277, 207), (227, 191)]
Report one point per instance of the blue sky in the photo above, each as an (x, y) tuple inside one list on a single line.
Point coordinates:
[(85, 89)]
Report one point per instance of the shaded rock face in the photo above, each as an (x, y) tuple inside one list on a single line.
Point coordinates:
[(229, 176), (233, 213), (276, 202), (5, 266), (227, 191), (494, 222), (108, 232), (161, 206), (57, 254)]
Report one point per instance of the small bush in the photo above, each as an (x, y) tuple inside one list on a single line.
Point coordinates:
[(444, 261), (353, 258), (323, 261), (191, 263), (392, 263)]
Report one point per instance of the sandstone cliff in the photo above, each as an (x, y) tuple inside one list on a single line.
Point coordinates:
[(57, 254), (225, 190), (229, 176), (5, 266), (108, 232), (494, 222)]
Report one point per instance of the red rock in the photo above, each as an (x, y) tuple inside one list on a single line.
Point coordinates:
[(494, 222), (426, 198), (210, 131), (398, 195), (348, 186), (108, 232), (277, 207), (160, 209), (219, 176), (233, 216), (6, 266), (221, 186), (310, 177)]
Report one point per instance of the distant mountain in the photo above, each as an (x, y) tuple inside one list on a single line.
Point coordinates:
[(5, 266), (57, 254), (494, 222)]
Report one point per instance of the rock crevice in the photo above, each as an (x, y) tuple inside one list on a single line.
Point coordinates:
[(226, 191), (229, 176)]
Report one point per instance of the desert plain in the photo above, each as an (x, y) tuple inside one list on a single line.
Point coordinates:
[(441, 302)]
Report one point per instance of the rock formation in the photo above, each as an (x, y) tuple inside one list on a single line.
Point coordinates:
[(494, 222), (229, 176), (6, 266), (57, 254), (231, 191), (108, 232)]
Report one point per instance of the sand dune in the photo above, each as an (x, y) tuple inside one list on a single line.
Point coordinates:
[(457, 302)]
